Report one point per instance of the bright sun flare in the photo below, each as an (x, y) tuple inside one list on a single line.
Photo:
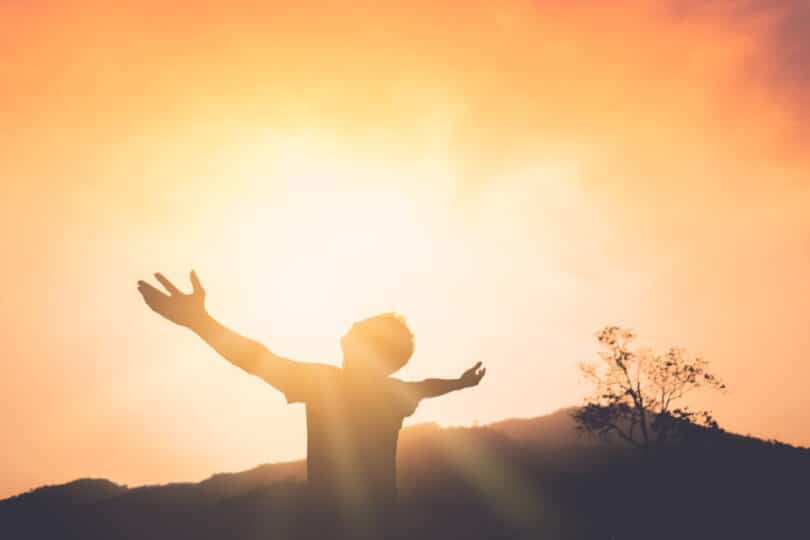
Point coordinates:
[(340, 238)]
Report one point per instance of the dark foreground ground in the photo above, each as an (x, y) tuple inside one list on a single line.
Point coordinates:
[(532, 478)]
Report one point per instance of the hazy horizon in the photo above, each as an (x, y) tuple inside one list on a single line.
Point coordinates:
[(510, 176)]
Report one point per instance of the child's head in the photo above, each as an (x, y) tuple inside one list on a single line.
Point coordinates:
[(381, 344)]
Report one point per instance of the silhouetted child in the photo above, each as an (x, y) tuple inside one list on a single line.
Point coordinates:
[(354, 413)]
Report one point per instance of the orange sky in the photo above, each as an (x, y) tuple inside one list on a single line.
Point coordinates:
[(510, 175)]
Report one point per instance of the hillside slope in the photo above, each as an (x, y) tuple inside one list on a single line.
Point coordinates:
[(519, 478)]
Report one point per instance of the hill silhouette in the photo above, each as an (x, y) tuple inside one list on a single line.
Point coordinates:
[(518, 478)]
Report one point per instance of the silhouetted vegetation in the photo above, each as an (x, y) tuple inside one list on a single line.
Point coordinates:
[(523, 478), (637, 393)]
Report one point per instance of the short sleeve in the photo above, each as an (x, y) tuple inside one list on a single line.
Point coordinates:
[(298, 381), (404, 396)]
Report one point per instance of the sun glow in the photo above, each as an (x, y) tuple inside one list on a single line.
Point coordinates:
[(325, 236), (327, 230)]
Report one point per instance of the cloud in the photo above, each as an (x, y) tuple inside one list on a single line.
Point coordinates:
[(779, 28)]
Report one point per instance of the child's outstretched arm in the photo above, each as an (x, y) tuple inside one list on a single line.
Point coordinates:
[(189, 310), (438, 387)]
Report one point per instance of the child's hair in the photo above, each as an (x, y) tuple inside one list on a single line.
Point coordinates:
[(389, 336)]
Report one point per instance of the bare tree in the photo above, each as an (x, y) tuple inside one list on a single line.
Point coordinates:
[(637, 392)]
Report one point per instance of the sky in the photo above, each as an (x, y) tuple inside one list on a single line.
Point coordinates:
[(509, 175)]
